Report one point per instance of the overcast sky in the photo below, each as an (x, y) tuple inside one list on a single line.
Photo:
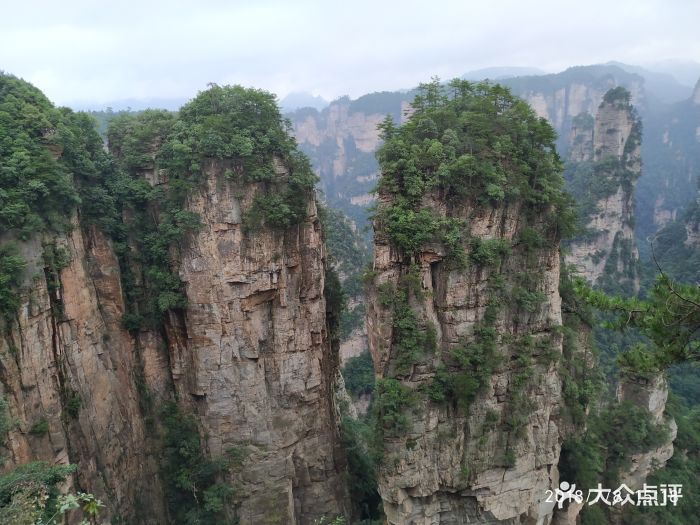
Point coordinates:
[(94, 52)]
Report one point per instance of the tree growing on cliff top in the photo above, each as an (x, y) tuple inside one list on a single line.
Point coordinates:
[(473, 142)]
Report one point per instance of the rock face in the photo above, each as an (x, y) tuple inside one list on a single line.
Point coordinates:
[(341, 141), (67, 361), (561, 97), (249, 356), (257, 362), (651, 395), (563, 105), (602, 173), (477, 464)]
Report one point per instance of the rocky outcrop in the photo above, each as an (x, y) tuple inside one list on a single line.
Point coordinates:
[(256, 364), (602, 175), (581, 138), (341, 141), (490, 462), (69, 371), (561, 97), (651, 395), (248, 356)]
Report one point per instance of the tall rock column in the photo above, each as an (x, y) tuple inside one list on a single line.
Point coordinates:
[(239, 295), (257, 365), (464, 311), (602, 174), (67, 365)]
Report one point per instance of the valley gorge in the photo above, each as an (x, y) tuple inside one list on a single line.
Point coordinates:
[(179, 307)]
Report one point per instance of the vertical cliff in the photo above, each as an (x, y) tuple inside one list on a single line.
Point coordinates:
[(243, 312), (257, 364), (465, 314), (562, 96), (171, 339), (602, 173), (67, 364), (650, 394)]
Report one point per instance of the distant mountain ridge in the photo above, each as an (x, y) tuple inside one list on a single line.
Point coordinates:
[(340, 139)]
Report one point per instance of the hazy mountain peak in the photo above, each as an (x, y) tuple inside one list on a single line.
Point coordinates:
[(686, 72), (663, 85), (302, 99)]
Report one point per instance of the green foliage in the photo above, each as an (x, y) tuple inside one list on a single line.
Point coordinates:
[(582, 381), (669, 317), (683, 468), (244, 127), (679, 258), (356, 437), (234, 122), (56, 258), (11, 267), (469, 141), (485, 252), (196, 490), (6, 422), (29, 494), (351, 318), (411, 339), (45, 154), (148, 221), (72, 403), (39, 428), (582, 460), (276, 211), (137, 138), (346, 248), (612, 436), (241, 130), (624, 429), (358, 374), (390, 403), (509, 459), (468, 369), (617, 95), (638, 361), (36, 190), (335, 304)]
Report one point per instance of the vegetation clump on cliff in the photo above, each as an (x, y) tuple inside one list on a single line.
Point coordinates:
[(48, 157), (465, 145), (466, 141)]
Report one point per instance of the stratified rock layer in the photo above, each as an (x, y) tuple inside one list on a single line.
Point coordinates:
[(257, 362)]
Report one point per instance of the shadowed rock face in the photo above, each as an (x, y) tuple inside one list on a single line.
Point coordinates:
[(68, 361), (473, 464)]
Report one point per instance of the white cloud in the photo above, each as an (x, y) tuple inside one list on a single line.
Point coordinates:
[(99, 52)]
